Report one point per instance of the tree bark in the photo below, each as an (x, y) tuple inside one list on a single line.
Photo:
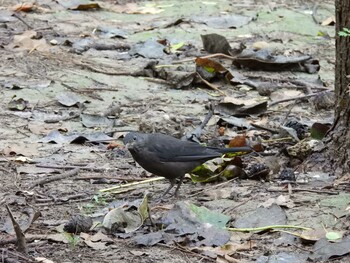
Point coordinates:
[(339, 144)]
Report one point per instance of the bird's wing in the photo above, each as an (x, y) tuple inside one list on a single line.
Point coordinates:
[(183, 152)]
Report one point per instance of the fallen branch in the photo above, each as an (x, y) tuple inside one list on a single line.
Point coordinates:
[(132, 184), (18, 16), (96, 177), (220, 55), (97, 70), (62, 199), (8, 255), (186, 250), (240, 204), (304, 190), (211, 85), (263, 228), (56, 178), (53, 166), (21, 241), (296, 98)]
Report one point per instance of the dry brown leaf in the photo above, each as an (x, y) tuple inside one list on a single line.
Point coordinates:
[(26, 42), (25, 7)]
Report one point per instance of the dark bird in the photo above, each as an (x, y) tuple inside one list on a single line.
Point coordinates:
[(172, 158)]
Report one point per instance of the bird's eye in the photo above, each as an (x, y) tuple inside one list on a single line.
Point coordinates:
[(134, 138)]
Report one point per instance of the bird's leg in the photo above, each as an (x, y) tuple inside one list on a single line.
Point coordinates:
[(178, 185), (172, 183)]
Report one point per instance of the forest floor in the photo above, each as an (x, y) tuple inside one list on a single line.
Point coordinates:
[(74, 81)]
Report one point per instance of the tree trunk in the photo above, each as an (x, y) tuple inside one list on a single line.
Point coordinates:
[(339, 145)]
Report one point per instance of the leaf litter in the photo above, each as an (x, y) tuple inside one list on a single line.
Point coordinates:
[(269, 74)]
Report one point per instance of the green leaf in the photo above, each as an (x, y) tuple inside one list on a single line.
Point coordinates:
[(203, 173), (332, 236), (342, 34), (177, 46), (319, 130), (212, 217), (345, 32), (209, 69)]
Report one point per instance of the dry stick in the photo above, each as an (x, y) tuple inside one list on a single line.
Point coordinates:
[(288, 113), (297, 98), (178, 247), (64, 202), (22, 20), (21, 241), (109, 177), (92, 68), (204, 57), (212, 187), (60, 199), (62, 118), (196, 134), (56, 177), (304, 190), (264, 128), (93, 169), (5, 252), (88, 89), (211, 85), (298, 83), (28, 238), (263, 228), (306, 84), (242, 203), (131, 184), (314, 13), (158, 81)]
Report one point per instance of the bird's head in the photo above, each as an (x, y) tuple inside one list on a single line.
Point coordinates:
[(132, 139)]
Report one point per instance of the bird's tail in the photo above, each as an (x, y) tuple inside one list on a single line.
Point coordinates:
[(245, 149)]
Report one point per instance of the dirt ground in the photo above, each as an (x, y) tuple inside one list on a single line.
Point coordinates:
[(57, 73)]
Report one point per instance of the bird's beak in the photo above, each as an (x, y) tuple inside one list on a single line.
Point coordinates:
[(129, 145)]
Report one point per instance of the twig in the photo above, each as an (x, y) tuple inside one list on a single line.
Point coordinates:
[(204, 57), (62, 199), (196, 134), (21, 241), (53, 166), (155, 80), (314, 13), (219, 55), (299, 83), (278, 140), (5, 252), (288, 112), (211, 85), (242, 203), (22, 20), (304, 190), (96, 177), (296, 98), (132, 184), (264, 128), (113, 73), (88, 89), (183, 249), (62, 118), (263, 228), (212, 187), (64, 202), (29, 238), (56, 177)]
